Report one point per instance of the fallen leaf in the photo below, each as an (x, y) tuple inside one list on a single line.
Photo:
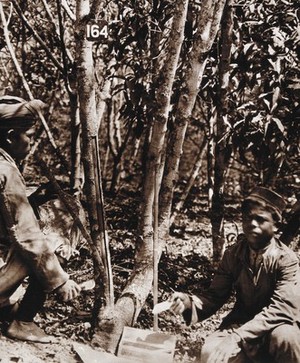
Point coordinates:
[(88, 285)]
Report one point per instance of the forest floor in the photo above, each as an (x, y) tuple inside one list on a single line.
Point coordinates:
[(185, 266)]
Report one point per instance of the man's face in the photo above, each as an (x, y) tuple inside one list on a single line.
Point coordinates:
[(258, 226), (20, 143)]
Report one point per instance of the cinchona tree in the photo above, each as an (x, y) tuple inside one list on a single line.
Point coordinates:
[(161, 168)]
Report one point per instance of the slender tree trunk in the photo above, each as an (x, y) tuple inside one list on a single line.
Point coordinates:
[(222, 149), (117, 146), (161, 117), (209, 22), (135, 152), (211, 157), (137, 289), (191, 180), (105, 94), (77, 175), (104, 296), (113, 141)]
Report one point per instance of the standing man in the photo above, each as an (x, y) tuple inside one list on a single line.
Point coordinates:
[(263, 325), (24, 247)]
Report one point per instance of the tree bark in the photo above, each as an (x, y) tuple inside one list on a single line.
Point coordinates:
[(163, 96), (137, 289), (211, 156), (222, 148), (209, 21), (77, 175), (104, 295)]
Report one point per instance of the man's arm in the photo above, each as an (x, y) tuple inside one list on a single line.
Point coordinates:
[(24, 230), (194, 308)]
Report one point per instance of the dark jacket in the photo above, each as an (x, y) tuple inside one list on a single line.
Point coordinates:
[(262, 303), (20, 229)]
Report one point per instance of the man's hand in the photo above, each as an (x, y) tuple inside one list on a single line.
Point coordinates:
[(180, 302), (226, 349), (69, 290)]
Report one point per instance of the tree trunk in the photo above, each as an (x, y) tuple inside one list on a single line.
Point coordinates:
[(191, 180), (222, 149), (207, 28), (77, 177), (104, 297), (210, 157), (137, 289), (164, 91), (117, 146)]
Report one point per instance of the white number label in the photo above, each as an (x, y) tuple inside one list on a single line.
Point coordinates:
[(97, 31)]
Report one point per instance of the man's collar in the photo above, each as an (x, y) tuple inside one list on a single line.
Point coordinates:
[(262, 250), (6, 156), (243, 251)]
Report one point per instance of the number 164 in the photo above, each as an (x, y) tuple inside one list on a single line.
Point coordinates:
[(97, 31)]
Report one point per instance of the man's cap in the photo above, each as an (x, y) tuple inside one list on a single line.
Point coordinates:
[(269, 197), (15, 112)]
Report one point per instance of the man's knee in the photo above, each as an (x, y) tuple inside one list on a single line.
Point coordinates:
[(12, 273), (285, 343), (205, 352), (211, 343), (284, 335)]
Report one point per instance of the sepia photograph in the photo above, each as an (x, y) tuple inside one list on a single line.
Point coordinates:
[(149, 181)]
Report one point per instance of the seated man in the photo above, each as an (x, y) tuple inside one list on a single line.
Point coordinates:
[(264, 273), (24, 247)]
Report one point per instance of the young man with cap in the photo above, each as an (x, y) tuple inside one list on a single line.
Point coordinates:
[(263, 325), (24, 247)]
